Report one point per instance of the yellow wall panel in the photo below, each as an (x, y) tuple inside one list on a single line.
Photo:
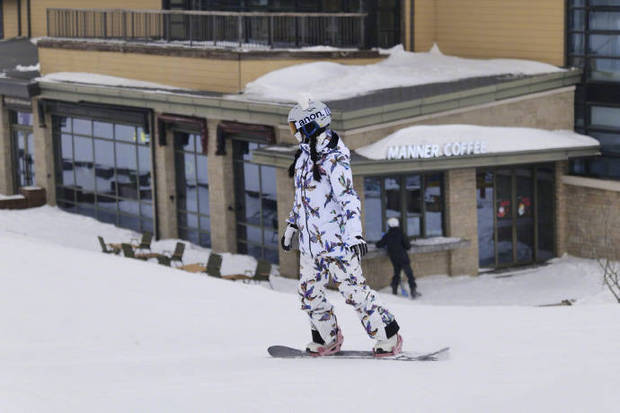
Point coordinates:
[(424, 25), (9, 17), (183, 72), (525, 29)]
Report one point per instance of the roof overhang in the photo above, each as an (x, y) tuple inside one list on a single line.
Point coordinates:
[(18, 88), (358, 112), (281, 157)]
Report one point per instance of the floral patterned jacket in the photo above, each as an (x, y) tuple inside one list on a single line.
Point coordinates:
[(327, 213)]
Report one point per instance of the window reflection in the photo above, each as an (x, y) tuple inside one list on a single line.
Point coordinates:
[(23, 148), (257, 209), (415, 200), (192, 189), (99, 170)]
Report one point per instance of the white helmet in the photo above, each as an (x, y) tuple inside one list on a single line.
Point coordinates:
[(308, 116), (392, 222)]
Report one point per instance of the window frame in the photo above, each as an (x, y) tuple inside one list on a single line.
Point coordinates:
[(120, 215), (402, 178), (197, 156)]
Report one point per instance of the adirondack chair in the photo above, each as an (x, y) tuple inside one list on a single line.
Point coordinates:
[(145, 242), (214, 265), (261, 273), (263, 270), (177, 255), (163, 260), (129, 253), (108, 248)]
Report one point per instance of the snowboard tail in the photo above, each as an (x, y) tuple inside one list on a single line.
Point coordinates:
[(290, 352)]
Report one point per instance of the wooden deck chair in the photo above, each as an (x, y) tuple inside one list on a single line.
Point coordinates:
[(263, 269), (108, 248), (145, 242), (214, 265), (163, 260), (178, 253), (128, 252)]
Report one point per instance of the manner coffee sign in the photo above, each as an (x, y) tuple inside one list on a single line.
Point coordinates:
[(436, 151)]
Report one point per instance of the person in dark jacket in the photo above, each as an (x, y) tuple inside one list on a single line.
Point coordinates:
[(397, 245)]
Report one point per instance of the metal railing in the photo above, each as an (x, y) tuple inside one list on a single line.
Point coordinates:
[(206, 28)]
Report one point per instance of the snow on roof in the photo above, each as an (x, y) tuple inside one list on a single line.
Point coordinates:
[(331, 81), (103, 80), (477, 140)]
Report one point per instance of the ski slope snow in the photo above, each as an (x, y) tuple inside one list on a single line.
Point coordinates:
[(84, 331)]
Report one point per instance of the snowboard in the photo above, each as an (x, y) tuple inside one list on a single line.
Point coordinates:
[(292, 353)]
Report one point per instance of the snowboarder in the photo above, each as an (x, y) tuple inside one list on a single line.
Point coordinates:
[(397, 245), (326, 217)]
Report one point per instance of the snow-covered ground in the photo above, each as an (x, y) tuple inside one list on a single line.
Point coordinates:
[(84, 331)]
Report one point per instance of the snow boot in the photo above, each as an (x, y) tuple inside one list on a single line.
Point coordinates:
[(389, 347), (317, 347)]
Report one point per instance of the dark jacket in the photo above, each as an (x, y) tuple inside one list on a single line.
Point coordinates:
[(397, 245)]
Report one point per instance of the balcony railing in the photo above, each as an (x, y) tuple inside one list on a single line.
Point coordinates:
[(210, 29)]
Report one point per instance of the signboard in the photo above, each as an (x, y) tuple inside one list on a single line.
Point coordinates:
[(428, 151)]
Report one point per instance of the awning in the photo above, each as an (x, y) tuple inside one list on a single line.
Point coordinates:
[(442, 147), (18, 68)]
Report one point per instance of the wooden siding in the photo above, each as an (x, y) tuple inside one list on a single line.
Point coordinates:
[(424, 25), (204, 74), (38, 9), (9, 17), (524, 29)]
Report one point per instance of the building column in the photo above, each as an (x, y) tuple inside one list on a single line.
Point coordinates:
[(289, 260), (461, 219), (561, 169), (44, 167), (165, 179), (221, 195), (6, 160)]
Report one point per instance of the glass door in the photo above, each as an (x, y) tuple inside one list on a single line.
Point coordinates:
[(515, 216), (486, 219), (504, 216), (524, 216), (192, 185), (256, 204), (545, 207), (23, 149)]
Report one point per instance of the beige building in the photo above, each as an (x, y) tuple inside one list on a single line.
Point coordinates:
[(185, 160)]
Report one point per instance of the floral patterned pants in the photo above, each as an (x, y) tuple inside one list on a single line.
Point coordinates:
[(346, 272)]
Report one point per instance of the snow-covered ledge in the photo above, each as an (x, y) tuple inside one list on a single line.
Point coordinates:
[(424, 245), (603, 184)]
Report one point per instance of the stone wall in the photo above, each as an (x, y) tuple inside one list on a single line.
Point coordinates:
[(221, 194), (378, 271), (592, 217), (165, 179), (546, 110), (461, 219), (44, 153), (6, 168)]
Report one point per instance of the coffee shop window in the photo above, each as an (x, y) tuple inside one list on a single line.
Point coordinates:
[(416, 200)]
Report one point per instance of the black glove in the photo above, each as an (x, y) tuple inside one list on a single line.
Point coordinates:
[(360, 248), (286, 239)]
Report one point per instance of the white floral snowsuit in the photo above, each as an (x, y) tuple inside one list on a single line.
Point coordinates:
[(327, 214)]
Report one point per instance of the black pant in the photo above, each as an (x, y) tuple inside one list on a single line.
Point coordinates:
[(405, 266)]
